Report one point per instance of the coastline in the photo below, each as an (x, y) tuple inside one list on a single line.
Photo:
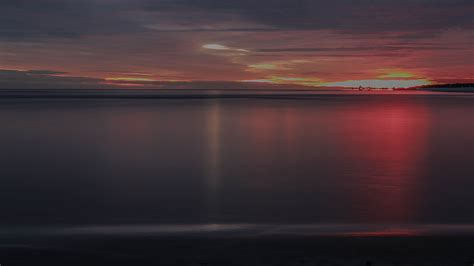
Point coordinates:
[(235, 245), (211, 94)]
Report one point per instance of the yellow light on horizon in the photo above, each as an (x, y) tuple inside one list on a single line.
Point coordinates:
[(374, 83), (288, 80), (396, 75), (129, 79), (257, 80), (380, 83)]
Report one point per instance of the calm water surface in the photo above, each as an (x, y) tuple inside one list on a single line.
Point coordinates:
[(372, 159)]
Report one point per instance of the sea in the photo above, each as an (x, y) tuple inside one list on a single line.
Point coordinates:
[(237, 163)]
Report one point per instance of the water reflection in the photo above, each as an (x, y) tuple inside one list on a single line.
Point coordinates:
[(385, 155), (353, 162), (213, 158), (339, 160)]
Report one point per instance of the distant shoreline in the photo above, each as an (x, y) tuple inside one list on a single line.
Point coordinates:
[(213, 93)]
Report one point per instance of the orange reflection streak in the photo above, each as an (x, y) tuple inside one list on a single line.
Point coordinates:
[(213, 162)]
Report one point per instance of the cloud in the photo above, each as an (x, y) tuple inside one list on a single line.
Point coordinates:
[(281, 65), (220, 47), (130, 79), (27, 80), (300, 81), (234, 40), (386, 48), (340, 15), (45, 19), (267, 66), (43, 79), (45, 72), (40, 19), (395, 74)]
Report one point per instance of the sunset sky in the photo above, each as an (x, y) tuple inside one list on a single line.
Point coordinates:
[(88, 43)]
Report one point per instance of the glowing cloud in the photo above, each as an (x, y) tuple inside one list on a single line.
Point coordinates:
[(266, 67), (276, 65), (288, 80), (215, 47), (394, 74), (397, 75), (257, 80), (220, 47)]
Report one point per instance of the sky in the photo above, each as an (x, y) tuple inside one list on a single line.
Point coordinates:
[(145, 43)]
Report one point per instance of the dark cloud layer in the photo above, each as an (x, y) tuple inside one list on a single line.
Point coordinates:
[(34, 79), (392, 48), (24, 19), (361, 15), (72, 19)]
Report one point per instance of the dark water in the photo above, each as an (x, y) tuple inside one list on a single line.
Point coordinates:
[(323, 160)]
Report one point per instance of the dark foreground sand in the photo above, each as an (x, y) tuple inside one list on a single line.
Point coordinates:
[(310, 250)]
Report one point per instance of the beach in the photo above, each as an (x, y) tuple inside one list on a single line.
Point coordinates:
[(183, 251)]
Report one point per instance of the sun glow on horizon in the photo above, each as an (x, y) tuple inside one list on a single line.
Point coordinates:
[(380, 83), (130, 79), (303, 81), (373, 83), (396, 75)]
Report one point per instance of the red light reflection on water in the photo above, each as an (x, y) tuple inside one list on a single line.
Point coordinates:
[(340, 161), (386, 146), (383, 233)]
